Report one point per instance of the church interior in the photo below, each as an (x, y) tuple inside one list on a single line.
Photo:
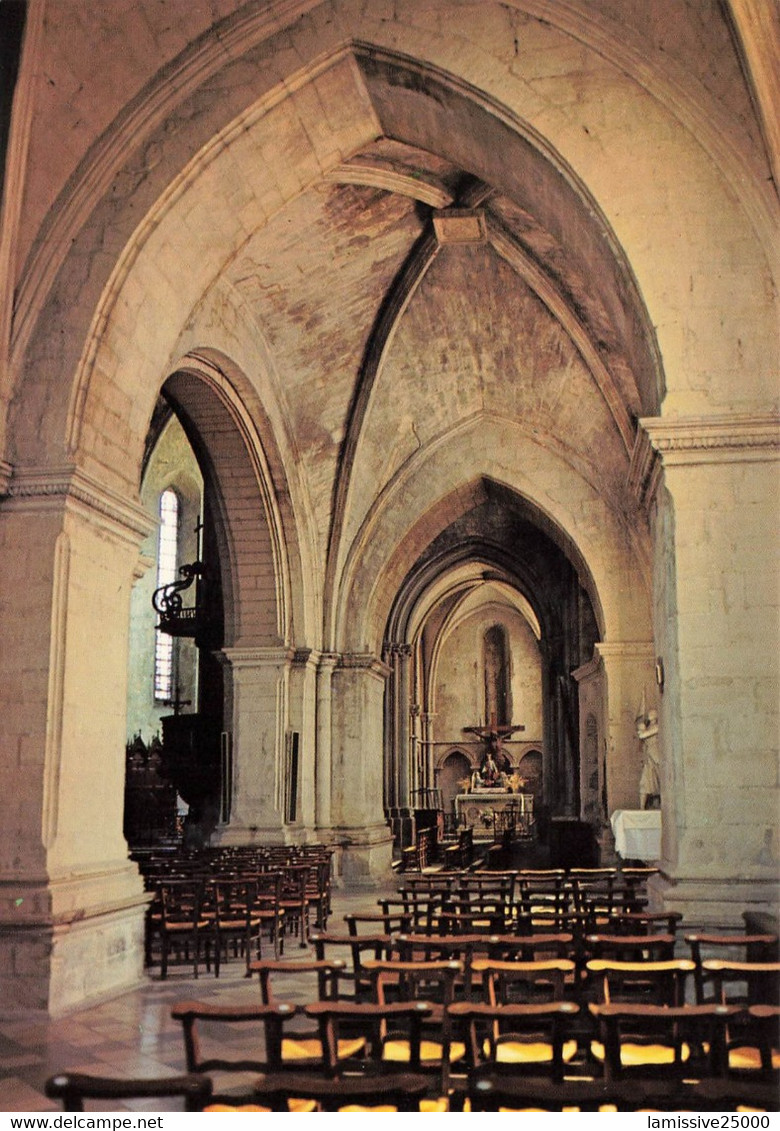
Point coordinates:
[(388, 497)]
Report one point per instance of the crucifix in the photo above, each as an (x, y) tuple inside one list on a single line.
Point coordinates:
[(492, 734), (493, 728), (177, 702)]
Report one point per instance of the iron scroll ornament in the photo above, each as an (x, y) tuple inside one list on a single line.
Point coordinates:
[(167, 602)]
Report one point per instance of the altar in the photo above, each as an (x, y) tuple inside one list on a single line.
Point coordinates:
[(479, 808), (637, 833)]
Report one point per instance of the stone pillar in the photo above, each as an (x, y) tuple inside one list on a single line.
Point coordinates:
[(415, 752), (403, 661), (629, 676), (303, 712), (426, 739), (398, 709), (593, 748), (356, 772), (323, 774), (72, 906), (259, 679), (710, 484)]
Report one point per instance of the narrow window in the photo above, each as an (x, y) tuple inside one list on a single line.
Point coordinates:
[(167, 560)]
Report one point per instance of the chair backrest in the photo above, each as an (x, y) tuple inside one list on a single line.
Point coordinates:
[(734, 947), (181, 901), (268, 1021), (643, 923), (763, 1029), (489, 920), (352, 949), (423, 908), (669, 1034), (524, 982), (630, 948), (489, 1026), (434, 982), (751, 983), (646, 983), (327, 975), (531, 948), (390, 924), (409, 981), (71, 1089), (372, 1020)]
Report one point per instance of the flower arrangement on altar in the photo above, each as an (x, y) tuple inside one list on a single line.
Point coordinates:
[(516, 783), (464, 785)]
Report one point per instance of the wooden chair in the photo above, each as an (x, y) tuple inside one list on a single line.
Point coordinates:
[(662, 1040), (444, 948), (433, 982), (294, 899), (754, 1044), (268, 905), (350, 951), (301, 1049), (525, 982), (371, 1080), (642, 923), (236, 923), (531, 948), (545, 898), (524, 1093), (534, 1093), (621, 948), (753, 1040), (636, 983), (394, 923), (736, 947), (640, 983), (71, 1089), (206, 1052), (423, 910), (177, 927), (504, 1040), (748, 983), (487, 921)]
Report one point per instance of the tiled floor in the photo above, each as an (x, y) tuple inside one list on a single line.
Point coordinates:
[(133, 1035)]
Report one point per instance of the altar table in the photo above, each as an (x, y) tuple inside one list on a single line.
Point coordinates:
[(637, 833), (477, 807)]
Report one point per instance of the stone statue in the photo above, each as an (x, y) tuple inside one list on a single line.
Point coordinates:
[(650, 779)]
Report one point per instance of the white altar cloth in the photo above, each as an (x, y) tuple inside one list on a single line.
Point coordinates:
[(637, 833), (477, 807)]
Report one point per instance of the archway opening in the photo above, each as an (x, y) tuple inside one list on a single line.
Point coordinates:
[(486, 632)]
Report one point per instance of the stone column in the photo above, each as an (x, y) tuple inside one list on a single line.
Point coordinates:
[(629, 676), (594, 802), (72, 906), (259, 680), (303, 711), (327, 663), (709, 484), (356, 808), (426, 739), (403, 655), (415, 752)]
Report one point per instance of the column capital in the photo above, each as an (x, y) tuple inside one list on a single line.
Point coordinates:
[(256, 658), (631, 650), (68, 487), (363, 661), (687, 441)]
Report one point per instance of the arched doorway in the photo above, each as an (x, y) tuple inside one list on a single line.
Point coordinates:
[(448, 778), (498, 573)]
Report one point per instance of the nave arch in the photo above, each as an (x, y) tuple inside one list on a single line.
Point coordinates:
[(138, 271)]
